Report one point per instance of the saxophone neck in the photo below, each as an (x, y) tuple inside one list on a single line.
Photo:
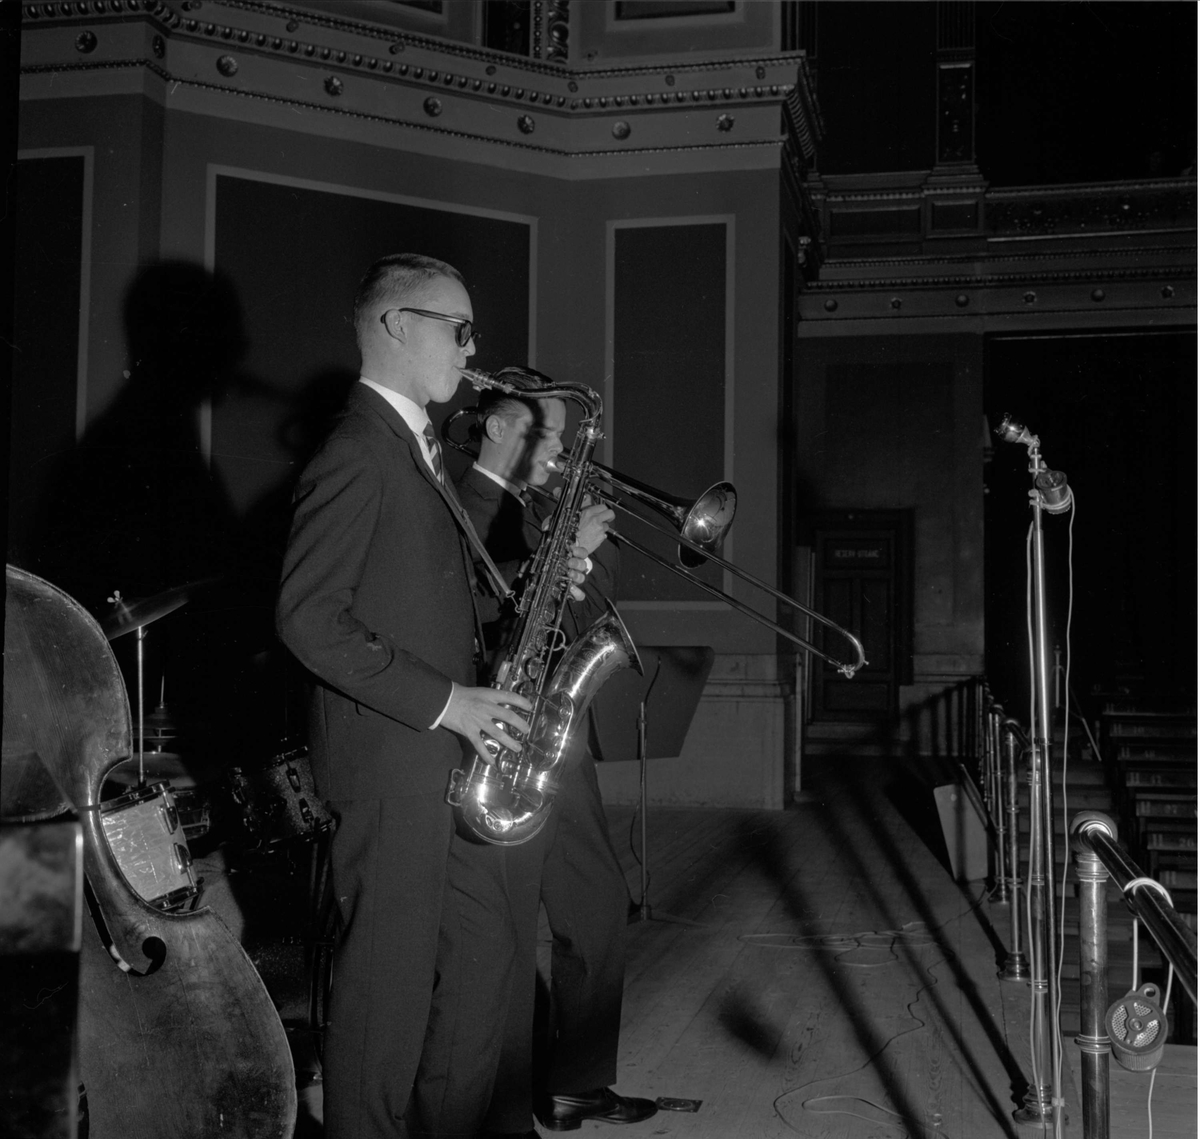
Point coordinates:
[(518, 383)]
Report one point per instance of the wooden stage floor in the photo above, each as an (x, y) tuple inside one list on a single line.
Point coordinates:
[(833, 981), (837, 982)]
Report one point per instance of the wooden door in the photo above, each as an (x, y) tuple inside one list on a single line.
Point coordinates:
[(862, 581)]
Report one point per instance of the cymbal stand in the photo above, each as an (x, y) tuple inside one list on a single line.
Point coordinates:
[(644, 912), (141, 637)]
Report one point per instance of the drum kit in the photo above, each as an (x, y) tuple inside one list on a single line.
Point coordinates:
[(166, 799)]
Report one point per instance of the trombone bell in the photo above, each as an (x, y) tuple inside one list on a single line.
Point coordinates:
[(707, 523), (704, 522)]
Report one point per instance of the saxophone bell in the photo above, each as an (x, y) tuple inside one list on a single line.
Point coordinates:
[(508, 802)]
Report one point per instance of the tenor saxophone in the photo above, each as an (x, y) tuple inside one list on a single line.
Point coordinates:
[(508, 801)]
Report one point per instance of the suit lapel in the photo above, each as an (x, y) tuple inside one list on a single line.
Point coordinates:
[(450, 497)]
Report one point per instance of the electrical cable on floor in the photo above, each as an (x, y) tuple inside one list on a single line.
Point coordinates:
[(856, 940), (905, 1122), (861, 940)]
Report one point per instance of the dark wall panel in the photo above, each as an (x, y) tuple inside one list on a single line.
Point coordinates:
[(49, 244), (294, 257), (668, 422)]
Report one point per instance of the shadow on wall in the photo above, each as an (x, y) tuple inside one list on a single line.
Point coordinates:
[(136, 508)]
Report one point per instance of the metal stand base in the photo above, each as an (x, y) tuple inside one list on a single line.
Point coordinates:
[(1038, 1110), (645, 913), (1016, 969)]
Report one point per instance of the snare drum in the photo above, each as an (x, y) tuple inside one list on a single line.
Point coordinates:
[(146, 837), (278, 801)]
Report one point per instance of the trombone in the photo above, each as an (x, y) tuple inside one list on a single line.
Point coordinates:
[(700, 527)]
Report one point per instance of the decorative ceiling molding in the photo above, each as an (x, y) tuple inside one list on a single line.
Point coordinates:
[(907, 219), (923, 250), (561, 89), (289, 56), (1018, 277)]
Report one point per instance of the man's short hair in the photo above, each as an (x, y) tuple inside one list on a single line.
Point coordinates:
[(506, 406), (392, 279)]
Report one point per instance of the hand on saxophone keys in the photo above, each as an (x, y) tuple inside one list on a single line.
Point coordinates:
[(479, 715)]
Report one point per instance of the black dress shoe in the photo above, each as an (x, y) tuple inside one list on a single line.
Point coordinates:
[(530, 1134), (567, 1112)]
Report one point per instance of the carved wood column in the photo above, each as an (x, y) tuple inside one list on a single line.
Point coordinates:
[(955, 83)]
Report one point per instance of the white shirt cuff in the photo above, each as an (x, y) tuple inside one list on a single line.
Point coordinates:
[(438, 722)]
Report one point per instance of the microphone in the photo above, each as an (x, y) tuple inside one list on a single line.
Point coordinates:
[(1013, 432), (1051, 486)]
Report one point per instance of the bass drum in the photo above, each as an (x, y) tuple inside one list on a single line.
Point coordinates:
[(278, 802)]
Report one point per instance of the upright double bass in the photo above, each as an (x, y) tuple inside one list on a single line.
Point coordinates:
[(178, 1037)]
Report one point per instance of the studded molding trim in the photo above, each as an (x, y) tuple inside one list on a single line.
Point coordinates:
[(150, 65), (1000, 280), (380, 66)]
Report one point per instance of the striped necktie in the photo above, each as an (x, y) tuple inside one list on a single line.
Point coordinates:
[(435, 452)]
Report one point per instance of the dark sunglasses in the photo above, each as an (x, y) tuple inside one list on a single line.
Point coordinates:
[(464, 330)]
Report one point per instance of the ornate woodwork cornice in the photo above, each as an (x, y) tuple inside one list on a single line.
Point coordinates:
[(1112, 207), (288, 56), (1028, 274), (561, 91), (1056, 212), (936, 250)]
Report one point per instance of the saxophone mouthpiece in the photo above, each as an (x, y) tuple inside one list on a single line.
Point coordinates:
[(478, 380), (488, 381)]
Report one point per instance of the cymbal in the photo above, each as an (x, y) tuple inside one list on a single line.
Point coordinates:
[(165, 767), (159, 726), (127, 617)]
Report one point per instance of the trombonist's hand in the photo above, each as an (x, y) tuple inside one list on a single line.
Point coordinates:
[(594, 518), (593, 526), (477, 714)]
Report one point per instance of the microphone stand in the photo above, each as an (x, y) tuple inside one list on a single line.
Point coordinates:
[(1044, 1098), (643, 911)]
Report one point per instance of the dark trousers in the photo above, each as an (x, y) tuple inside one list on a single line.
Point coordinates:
[(572, 868), (421, 975)]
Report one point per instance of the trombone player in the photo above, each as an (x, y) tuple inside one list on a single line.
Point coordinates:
[(570, 866)]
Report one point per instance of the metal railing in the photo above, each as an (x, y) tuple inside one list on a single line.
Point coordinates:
[(1000, 744), (1098, 855)]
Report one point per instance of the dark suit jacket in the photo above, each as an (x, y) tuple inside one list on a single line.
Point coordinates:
[(376, 602), (511, 534)]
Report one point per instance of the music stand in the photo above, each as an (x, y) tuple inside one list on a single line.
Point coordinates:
[(675, 675)]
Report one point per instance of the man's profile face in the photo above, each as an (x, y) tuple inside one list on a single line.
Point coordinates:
[(433, 357), (539, 431)]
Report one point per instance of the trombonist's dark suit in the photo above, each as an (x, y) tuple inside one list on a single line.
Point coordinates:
[(376, 603), (570, 866)]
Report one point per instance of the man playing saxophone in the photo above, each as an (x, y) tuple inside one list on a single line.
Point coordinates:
[(376, 602), (570, 865)]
